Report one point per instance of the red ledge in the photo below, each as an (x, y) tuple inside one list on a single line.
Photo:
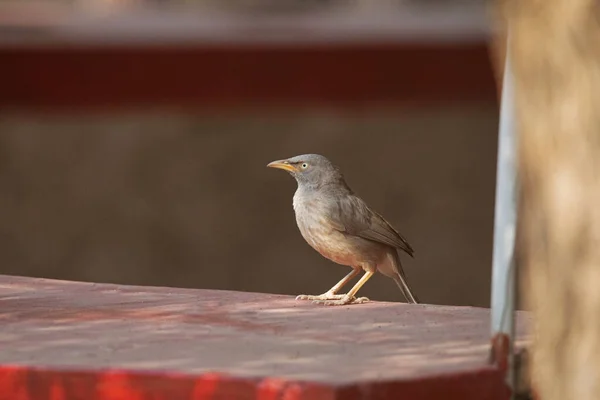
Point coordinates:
[(214, 77), (73, 340), (25, 383)]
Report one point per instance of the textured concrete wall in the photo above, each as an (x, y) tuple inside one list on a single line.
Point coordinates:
[(179, 200)]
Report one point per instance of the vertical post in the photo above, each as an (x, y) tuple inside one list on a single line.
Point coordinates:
[(503, 266)]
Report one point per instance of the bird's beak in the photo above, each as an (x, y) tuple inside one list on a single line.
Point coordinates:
[(282, 164)]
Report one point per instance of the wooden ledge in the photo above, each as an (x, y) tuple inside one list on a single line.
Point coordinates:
[(74, 340)]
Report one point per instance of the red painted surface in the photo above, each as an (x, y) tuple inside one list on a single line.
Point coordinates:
[(72, 340), (213, 77), (500, 349), (21, 383)]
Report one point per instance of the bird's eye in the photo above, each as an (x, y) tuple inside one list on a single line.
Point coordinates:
[(304, 165)]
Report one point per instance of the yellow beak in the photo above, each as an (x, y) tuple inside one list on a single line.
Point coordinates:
[(282, 164)]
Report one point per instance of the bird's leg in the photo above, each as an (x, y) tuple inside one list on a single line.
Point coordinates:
[(331, 294), (349, 298)]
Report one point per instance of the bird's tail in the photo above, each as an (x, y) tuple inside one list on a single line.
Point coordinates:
[(405, 289)]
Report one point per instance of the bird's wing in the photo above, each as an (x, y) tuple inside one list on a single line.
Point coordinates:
[(351, 215)]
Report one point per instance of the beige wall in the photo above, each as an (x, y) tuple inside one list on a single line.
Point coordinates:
[(175, 200)]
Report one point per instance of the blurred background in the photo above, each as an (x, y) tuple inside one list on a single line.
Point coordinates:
[(134, 137)]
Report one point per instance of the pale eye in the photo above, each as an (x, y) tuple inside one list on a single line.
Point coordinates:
[(304, 165)]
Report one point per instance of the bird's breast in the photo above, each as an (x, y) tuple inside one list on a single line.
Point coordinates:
[(317, 230)]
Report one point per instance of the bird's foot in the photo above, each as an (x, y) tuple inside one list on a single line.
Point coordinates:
[(320, 297), (345, 300)]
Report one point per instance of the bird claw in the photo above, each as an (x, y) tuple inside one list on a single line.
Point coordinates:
[(345, 300), (320, 297)]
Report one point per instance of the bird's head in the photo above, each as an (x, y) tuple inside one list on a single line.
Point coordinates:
[(310, 170)]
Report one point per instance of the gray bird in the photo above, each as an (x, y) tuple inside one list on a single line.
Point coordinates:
[(342, 228)]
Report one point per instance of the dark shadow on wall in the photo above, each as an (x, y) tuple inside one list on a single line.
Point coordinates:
[(179, 200)]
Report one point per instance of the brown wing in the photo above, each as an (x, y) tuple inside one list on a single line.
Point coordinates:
[(351, 215)]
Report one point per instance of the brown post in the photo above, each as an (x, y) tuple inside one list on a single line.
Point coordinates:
[(555, 50)]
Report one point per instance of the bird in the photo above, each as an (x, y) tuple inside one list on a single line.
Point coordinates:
[(343, 228)]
